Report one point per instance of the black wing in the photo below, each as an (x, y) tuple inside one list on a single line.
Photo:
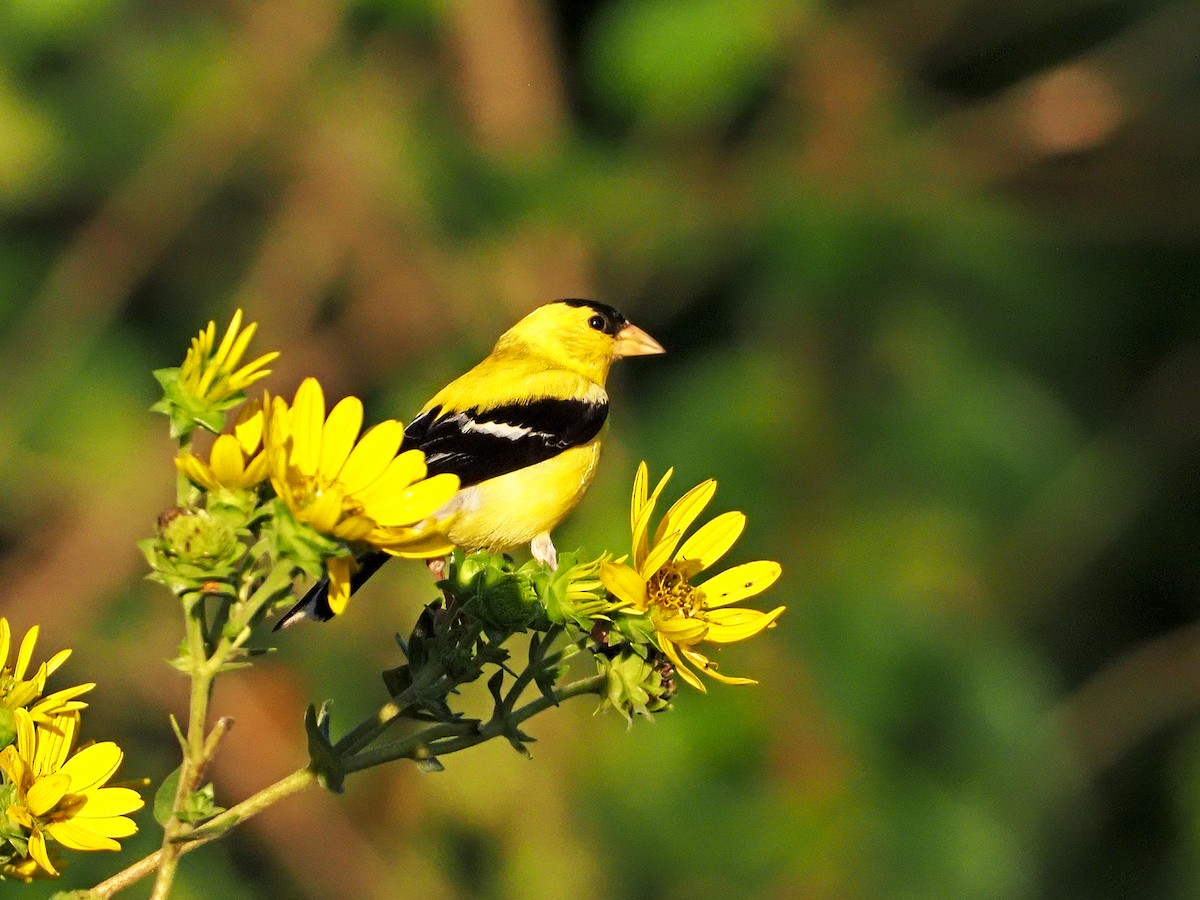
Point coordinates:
[(477, 445)]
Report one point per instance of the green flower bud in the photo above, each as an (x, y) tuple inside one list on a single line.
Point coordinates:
[(199, 537), (572, 594), (492, 591), (634, 685), (505, 601)]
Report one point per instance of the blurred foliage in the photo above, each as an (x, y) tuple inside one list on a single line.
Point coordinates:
[(927, 275)]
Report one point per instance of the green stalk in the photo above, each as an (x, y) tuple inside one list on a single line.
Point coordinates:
[(437, 740), (213, 829), (452, 737), (191, 769)]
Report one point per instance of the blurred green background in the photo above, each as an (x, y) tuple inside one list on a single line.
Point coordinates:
[(927, 272)]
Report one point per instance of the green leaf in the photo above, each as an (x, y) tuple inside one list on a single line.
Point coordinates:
[(397, 680), (164, 799), (8, 727), (495, 687), (323, 759)]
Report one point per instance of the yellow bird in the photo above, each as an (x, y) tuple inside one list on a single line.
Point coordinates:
[(521, 430)]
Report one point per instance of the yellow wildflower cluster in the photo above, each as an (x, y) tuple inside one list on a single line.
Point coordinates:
[(49, 792)]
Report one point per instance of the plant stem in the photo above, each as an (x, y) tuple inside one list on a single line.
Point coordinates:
[(191, 769), (251, 806), (451, 737), (440, 739)]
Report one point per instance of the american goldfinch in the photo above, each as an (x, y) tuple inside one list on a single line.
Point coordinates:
[(521, 430)]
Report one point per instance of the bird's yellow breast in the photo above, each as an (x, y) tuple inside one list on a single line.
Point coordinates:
[(513, 509)]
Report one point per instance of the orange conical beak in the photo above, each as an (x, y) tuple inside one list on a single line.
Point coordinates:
[(632, 341)]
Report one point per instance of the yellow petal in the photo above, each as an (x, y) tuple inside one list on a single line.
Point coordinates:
[(77, 836), (341, 431), (659, 554), (637, 500), (12, 765), (418, 502), (685, 510), (709, 668), (93, 766), (401, 472), (256, 471), (324, 511), (238, 350), (739, 583), (248, 429), (307, 420), (37, 849), (26, 735), (736, 624), (54, 743), (110, 801), (53, 664), (339, 569), (25, 653), (107, 826), (370, 458), (227, 461), (411, 543), (681, 630), (252, 372), (624, 583), (60, 697), (354, 528), (642, 524), (712, 540), (231, 334), (46, 792), (5, 641), (195, 471)]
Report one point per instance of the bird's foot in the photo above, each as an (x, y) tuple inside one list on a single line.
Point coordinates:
[(437, 567), (542, 548)]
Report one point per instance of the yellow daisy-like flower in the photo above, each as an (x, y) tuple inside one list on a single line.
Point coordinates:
[(659, 583), (236, 460), (212, 374), (61, 796), (358, 490), (20, 692)]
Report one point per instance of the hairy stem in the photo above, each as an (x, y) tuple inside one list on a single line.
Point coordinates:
[(191, 768)]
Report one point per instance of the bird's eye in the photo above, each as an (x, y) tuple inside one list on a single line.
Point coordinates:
[(597, 322)]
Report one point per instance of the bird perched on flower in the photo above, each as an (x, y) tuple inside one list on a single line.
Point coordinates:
[(521, 430)]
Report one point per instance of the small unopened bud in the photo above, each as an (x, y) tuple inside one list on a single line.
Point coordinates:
[(634, 685), (199, 536)]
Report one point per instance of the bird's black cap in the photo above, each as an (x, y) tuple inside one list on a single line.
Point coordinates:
[(611, 318)]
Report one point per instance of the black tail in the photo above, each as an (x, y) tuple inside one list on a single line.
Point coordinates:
[(315, 603)]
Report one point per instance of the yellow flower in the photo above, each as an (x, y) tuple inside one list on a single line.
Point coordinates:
[(358, 490), (213, 375), (659, 583), (236, 460), (25, 870), (61, 796), (19, 692)]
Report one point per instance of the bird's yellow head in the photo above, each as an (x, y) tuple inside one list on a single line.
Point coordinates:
[(581, 335)]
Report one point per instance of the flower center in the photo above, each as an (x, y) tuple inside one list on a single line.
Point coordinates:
[(669, 589)]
